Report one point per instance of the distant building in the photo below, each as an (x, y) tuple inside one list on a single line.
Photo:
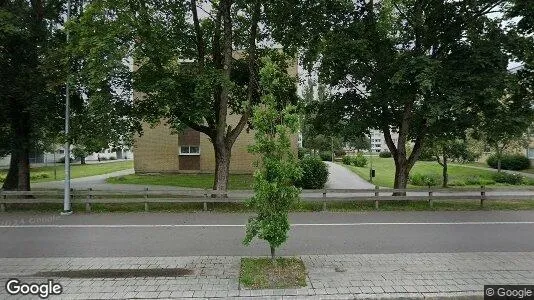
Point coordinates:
[(378, 141)]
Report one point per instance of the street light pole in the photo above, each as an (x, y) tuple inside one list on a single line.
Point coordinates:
[(370, 157), (67, 210)]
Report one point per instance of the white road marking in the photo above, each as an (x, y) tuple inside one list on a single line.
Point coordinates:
[(242, 225)]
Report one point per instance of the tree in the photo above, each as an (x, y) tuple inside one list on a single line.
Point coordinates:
[(278, 169), (187, 70), (30, 99), (452, 149), (414, 67), (506, 122)]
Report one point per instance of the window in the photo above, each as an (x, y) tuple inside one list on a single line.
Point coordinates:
[(189, 150), (530, 153), (61, 151)]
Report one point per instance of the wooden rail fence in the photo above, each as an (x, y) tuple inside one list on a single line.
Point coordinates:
[(146, 196)]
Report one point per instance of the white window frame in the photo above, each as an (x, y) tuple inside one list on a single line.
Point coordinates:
[(189, 148)]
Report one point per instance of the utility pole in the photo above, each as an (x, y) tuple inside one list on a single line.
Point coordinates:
[(67, 210), (332, 147)]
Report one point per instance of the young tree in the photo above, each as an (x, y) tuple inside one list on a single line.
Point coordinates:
[(274, 122), (187, 67)]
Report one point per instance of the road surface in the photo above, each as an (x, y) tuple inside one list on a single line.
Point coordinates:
[(165, 234)]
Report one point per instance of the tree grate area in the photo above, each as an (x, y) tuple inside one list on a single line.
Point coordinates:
[(117, 273)]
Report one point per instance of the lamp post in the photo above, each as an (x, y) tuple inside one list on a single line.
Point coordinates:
[(67, 210), (370, 157)]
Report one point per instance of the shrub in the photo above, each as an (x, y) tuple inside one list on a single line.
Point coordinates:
[(425, 179), (473, 180), (303, 152), (384, 154), (346, 160), (503, 177), (62, 159), (510, 162), (112, 158), (2, 177), (340, 152), (326, 155), (456, 183), (314, 173), (359, 161), (39, 175)]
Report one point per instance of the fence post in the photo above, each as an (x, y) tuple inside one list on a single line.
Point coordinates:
[(324, 199), (482, 195), (88, 204), (146, 198), (3, 205), (71, 197), (205, 199), (376, 195), (430, 198)]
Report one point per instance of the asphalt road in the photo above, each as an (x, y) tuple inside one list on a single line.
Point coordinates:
[(160, 234)]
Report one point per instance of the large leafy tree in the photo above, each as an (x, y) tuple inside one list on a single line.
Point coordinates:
[(195, 62), (416, 67), (30, 97)]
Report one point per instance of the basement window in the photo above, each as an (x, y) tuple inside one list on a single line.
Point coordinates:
[(189, 150)]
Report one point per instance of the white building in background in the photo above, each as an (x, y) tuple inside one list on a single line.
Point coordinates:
[(378, 141), (46, 158)]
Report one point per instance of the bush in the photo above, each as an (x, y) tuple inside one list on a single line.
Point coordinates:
[(303, 152), (425, 179), (346, 160), (62, 159), (456, 183), (510, 162), (384, 154), (112, 158), (2, 177), (359, 161), (340, 153), (314, 173), (326, 155), (473, 180), (39, 176), (503, 177)]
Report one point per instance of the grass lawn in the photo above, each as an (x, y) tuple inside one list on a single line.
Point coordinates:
[(204, 181), (458, 175), (43, 174), (262, 273)]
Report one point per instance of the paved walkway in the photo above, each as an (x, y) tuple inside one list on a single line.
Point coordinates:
[(342, 178), (84, 182), (377, 276)]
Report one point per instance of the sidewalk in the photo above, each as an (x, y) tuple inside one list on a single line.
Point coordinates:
[(365, 276)]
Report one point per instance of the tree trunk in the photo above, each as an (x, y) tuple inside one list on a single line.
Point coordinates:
[(82, 160), (24, 170), (12, 179), (222, 167), (445, 172), (401, 178), (273, 254), (499, 164)]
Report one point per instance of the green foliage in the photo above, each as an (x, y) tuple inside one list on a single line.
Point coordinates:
[(425, 179), (346, 160), (314, 173), (302, 152), (359, 160), (509, 162), (326, 155), (41, 175), (385, 154), (503, 177), (340, 152), (277, 168)]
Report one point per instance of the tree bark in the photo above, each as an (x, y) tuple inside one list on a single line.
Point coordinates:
[(273, 254), (23, 162), (222, 166), (82, 160), (12, 179), (445, 172), (402, 171)]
